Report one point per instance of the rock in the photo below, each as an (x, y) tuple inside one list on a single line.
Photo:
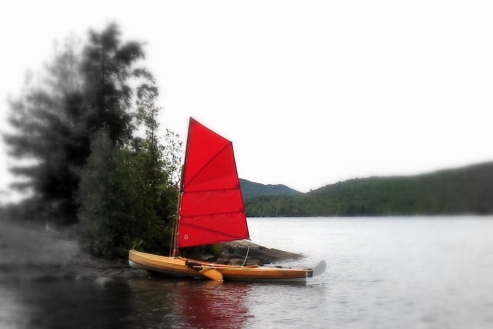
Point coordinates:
[(241, 262), (226, 257), (261, 253), (222, 260), (235, 261), (103, 282), (134, 274), (204, 257), (234, 253), (86, 276)]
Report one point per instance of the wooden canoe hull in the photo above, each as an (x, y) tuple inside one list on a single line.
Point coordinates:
[(171, 266)]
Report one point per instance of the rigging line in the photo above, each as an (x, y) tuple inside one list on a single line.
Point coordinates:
[(246, 257)]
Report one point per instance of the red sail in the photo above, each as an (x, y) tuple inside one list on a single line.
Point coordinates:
[(212, 208)]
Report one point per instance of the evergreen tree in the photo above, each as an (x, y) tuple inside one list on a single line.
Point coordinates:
[(79, 94), (46, 119), (127, 193), (108, 68)]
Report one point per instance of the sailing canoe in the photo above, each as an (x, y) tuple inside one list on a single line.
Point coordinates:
[(211, 210), (189, 268)]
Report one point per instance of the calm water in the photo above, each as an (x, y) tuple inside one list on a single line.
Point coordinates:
[(381, 273)]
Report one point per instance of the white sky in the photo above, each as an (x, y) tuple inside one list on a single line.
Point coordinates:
[(310, 92)]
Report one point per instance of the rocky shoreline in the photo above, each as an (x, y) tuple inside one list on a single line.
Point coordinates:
[(31, 252)]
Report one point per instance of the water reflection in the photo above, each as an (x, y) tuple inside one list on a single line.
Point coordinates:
[(211, 304), (11, 310), (399, 277), (153, 303), (63, 304)]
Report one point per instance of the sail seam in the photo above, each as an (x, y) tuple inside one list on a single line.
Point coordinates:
[(218, 190), (215, 214), (194, 196)]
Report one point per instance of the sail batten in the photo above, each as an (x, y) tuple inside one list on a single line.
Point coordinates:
[(214, 214), (212, 208), (216, 190)]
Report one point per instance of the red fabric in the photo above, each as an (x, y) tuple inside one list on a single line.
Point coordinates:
[(212, 208)]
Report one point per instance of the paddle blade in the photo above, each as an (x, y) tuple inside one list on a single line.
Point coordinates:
[(320, 268), (212, 274)]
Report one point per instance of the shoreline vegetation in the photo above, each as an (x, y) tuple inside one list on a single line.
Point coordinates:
[(466, 190), (32, 252)]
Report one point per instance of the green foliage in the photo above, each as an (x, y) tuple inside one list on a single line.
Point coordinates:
[(461, 191), (215, 249), (78, 128), (127, 193), (105, 198)]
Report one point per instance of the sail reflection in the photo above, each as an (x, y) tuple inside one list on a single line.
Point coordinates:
[(209, 304)]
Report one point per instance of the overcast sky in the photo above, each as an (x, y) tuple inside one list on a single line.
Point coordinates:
[(310, 92)]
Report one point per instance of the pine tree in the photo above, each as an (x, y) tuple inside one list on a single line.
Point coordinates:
[(80, 92), (108, 68), (46, 119)]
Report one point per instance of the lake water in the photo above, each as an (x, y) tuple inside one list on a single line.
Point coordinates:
[(392, 272)]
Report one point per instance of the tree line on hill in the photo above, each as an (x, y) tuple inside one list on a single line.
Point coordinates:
[(466, 190), (252, 189)]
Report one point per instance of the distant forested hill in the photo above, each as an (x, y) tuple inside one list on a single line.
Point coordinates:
[(466, 190), (251, 189)]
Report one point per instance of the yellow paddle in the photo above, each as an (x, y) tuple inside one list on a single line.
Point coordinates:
[(206, 271), (211, 273)]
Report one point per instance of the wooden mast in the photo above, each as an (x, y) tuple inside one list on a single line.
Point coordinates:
[(174, 246)]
